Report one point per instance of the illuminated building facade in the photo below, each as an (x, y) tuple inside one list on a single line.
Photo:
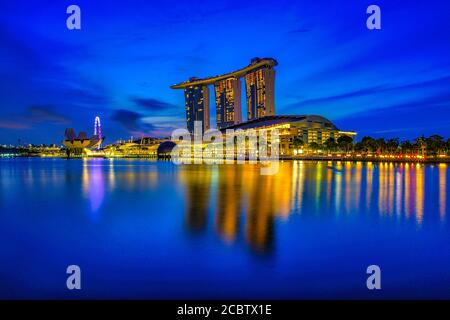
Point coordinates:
[(309, 128), (259, 79), (259, 86), (197, 106), (78, 144), (228, 102)]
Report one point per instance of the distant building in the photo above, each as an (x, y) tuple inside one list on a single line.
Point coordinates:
[(228, 102), (144, 147), (77, 144), (197, 106)]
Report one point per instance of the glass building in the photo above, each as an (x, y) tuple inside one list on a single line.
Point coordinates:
[(259, 85), (259, 81), (197, 106), (228, 102)]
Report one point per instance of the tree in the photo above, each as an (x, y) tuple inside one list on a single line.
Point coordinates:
[(359, 146), (297, 142), (314, 146), (406, 146), (381, 145), (330, 144), (421, 144), (392, 145), (435, 144), (368, 144), (345, 143)]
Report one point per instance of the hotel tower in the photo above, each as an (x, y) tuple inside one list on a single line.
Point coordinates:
[(197, 106), (259, 78), (228, 102)]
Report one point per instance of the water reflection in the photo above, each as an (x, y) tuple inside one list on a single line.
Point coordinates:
[(244, 202), (442, 190), (229, 203), (93, 183), (197, 185), (235, 202)]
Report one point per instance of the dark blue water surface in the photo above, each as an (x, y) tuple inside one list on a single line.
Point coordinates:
[(147, 229)]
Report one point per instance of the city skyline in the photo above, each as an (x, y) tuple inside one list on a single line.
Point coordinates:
[(391, 82)]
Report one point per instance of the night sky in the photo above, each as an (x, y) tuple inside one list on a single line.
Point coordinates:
[(393, 82)]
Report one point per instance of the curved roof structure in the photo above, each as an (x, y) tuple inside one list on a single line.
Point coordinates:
[(166, 147), (255, 64), (274, 120)]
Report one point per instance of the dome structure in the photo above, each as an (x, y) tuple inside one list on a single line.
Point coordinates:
[(165, 148)]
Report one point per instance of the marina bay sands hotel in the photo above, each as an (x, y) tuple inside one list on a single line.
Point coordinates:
[(259, 78)]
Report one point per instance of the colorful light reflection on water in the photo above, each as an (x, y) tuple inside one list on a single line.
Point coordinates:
[(147, 229)]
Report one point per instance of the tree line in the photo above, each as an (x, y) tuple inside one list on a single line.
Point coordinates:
[(432, 145)]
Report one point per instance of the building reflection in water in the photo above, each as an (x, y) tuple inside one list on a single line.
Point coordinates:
[(338, 182), (442, 190), (407, 201), (245, 202), (399, 191), (100, 176), (420, 190), (369, 177), (197, 182), (93, 183), (238, 189), (229, 202), (298, 181)]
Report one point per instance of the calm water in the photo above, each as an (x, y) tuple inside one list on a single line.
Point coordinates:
[(144, 229)]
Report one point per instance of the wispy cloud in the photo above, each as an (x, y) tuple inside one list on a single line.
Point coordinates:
[(401, 119), (151, 104), (34, 115), (436, 83), (45, 114), (131, 121)]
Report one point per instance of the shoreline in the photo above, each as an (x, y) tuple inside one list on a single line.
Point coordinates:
[(386, 159)]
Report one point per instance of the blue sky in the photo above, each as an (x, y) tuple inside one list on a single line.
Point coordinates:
[(393, 82)]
